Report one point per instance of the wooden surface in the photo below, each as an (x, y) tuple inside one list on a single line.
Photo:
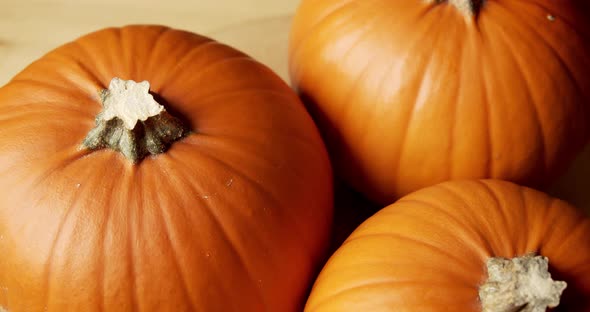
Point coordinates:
[(30, 28)]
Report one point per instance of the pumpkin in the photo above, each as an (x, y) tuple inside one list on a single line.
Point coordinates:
[(463, 245), (408, 94), (151, 169)]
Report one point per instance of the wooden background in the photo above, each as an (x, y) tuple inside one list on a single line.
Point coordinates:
[(30, 28)]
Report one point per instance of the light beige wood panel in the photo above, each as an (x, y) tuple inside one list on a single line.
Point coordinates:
[(30, 28), (264, 39)]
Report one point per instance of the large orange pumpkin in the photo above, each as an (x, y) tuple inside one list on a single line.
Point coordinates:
[(412, 93), (457, 246), (221, 200)]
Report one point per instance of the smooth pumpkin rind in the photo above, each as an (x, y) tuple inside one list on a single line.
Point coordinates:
[(427, 252), (234, 217), (408, 94)]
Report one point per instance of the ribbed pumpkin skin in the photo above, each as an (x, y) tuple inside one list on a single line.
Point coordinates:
[(411, 93), (427, 252), (234, 217)]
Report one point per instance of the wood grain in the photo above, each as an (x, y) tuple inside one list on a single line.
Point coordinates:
[(31, 28)]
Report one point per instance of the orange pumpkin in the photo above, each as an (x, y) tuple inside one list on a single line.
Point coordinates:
[(212, 192), (412, 93), (457, 246)]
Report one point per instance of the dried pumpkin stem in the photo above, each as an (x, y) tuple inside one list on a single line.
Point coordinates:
[(469, 8), (132, 122), (519, 284)]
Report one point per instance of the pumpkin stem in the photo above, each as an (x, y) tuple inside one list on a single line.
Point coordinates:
[(519, 284), (469, 8), (132, 122)]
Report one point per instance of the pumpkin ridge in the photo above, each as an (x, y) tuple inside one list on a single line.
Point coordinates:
[(523, 217), (40, 84), (455, 110), (563, 18), (343, 292), (400, 237), (482, 252), (273, 198), (101, 278), (41, 108), (258, 186), (115, 50), (80, 68), (11, 115), (62, 160), (65, 217), (495, 163), (486, 107), (320, 21), (87, 57), (424, 66), (48, 266), (81, 56), (346, 109), (551, 48), (373, 111), (500, 206), (549, 215), (369, 63), (131, 237), (126, 54), (166, 221), (532, 231), (383, 80), (451, 151), (163, 31), (579, 225), (355, 85), (569, 73), (527, 89), (222, 61), (209, 210), (239, 254), (186, 58), (246, 177), (213, 101), (467, 228)]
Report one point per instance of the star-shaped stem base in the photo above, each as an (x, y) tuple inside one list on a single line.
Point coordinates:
[(132, 122)]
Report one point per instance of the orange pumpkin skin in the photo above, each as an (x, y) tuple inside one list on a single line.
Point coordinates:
[(234, 217), (412, 93), (427, 251)]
